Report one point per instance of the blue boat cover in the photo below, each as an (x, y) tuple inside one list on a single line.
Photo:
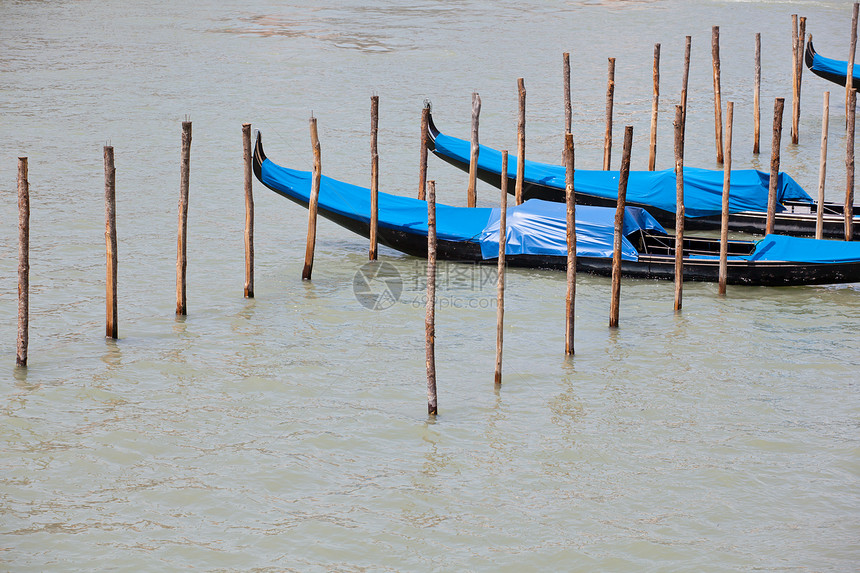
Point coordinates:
[(395, 212), (805, 250), (540, 228), (703, 188), (534, 228), (831, 66), (778, 248)]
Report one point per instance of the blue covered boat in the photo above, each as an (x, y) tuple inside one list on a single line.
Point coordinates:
[(655, 191), (830, 69), (537, 236)]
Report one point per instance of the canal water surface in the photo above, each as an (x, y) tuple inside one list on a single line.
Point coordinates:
[(289, 431)]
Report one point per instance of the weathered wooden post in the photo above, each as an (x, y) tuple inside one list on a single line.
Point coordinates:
[(718, 107), (795, 84), (610, 97), (652, 156), (799, 36), (181, 260), (849, 76), (568, 110), (430, 317), (778, 106), (724, 221), (615, 301), (111, 324), (801, 45), (312, 203), (685, 79), (23, 263), (757, 96), (521, 142), (249, 212), (503, 236), (679, 207), (422, 165), (374, 175), (471, 193), (849, 168), (822, 168), (570, 199)]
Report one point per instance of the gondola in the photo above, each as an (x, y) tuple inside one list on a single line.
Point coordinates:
[(830, 69), (536, 236), (655, 191)]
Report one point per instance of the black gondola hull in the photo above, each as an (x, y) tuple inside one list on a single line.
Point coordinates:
[(647, 267), (801, 224)]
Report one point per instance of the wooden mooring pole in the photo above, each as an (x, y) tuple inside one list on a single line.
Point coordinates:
[(23, 263), (849, 76), (312, 203), (757, 96), (679, 207), (724, 220), (849, 168), (685, 78), (471, 192), (181, 260), (374, 175), (615, 301), (111, 324), (503, 236), (521, 142), (430, 317), (249, 212), (822, 168), (718, 108), (655, 102), (794, 81), (422, 164), (568, 110), (610, 97), (570, 199), (799, 38), (778, 106), (801, 44)]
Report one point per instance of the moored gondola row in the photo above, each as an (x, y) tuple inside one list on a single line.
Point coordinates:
[(536, 231)]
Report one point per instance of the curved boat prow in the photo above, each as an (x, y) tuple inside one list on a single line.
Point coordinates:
[(810, 53), (434, 132), (259, 156), (828, 68)]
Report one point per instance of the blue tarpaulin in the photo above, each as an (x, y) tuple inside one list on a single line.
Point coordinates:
[(703, 188), (831, 66), (536, 227), (395, 212), (540, 228), (797, 249), (779, 248)]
